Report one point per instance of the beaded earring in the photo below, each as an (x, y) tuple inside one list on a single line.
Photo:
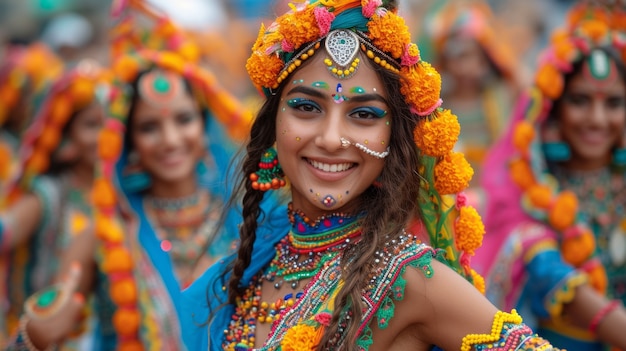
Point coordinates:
[(134, 179), (270, 174), (553, 148)]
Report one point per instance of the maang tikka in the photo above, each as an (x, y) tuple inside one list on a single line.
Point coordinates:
[(270, 174), (342, 46)]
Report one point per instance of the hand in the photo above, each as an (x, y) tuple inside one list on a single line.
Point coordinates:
[(54, 312)]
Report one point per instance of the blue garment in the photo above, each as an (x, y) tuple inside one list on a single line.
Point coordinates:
[(207, 294)]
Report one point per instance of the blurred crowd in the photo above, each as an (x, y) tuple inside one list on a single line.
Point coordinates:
[(78, 100)]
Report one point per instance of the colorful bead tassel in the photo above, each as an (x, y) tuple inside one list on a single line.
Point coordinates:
[(269, 176)]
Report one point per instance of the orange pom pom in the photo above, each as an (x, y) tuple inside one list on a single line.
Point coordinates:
[(563, 211), (597, 277), (523, 135), (82, 92), (540, 195), (117, 260), (109, 230), (452, 174), (469, 230), (577, 249), (110, 145), (126, 322), (126, 68), (171, 61), (123, 292), (550, 81), (521, 174), (103, 194), (61, 110)]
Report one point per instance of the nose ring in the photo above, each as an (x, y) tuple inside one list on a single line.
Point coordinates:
[(345, 143)]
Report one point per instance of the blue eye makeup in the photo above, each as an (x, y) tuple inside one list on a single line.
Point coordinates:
[(369, 112), (303, 104)]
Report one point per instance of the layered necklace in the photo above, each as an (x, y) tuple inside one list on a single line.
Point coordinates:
[(308, 248), (184, 225)]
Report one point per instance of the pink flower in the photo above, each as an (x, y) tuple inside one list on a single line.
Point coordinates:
[(370, 8), (323, 318), (461, 200), (411, 55), (324, 19), (287, 46)]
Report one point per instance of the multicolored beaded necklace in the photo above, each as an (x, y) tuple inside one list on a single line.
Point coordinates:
[(185, 225), (307, 248)]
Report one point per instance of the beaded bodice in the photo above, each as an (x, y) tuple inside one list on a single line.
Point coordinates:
[(313, 250)]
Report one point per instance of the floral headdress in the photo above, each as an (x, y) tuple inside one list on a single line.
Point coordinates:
[(32, 68), (139, 25), (475, 20), (71, 92), (385, 39), (589, 27)]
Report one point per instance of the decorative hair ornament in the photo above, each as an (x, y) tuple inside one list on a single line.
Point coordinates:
[(589, 27), (160, 88), (384, 38), (270, 174)]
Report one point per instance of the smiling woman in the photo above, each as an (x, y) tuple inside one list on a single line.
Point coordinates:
[(348, 102), (556, 218)]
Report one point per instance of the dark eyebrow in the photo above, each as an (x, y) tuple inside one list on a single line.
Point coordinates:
[(368, 97), (307, 90)]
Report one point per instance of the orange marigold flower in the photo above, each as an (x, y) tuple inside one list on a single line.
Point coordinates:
[(299, 27), (452, 174), (126, 322), (479, 281), (421, 86), (521, 173), (469, 230), (550, 81), (49, 139), (263, 69), (523, 135), (123, 292), (540, 195), (301, 337), (109, 144), (565, 50), (594, 29), (389, 33), (171, 61), (117, 260), (437, 136), (563, 211), (109, 230), (60, 110), (126, 68), (82, 91), (103, 194), (577, 249)]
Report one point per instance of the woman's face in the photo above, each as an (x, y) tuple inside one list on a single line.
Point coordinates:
[(592, 116), (316, 111), (83, 133), (167, 129)]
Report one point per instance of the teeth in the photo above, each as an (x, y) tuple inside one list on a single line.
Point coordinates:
[(335, 167)]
